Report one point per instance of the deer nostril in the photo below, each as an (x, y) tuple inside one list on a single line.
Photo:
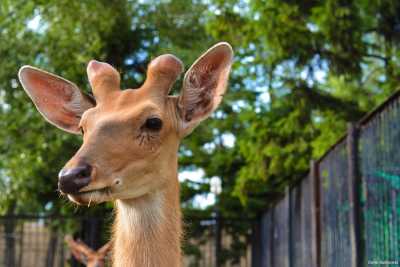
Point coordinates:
[(72, 180), (85, 172)]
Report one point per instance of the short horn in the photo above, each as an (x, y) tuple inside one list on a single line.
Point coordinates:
[(103, 78), (162, 73)]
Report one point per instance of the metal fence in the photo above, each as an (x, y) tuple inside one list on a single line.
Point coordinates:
[(30, 241), (39, 241), (346, 211)]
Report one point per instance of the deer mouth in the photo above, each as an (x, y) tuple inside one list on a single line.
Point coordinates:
[(104, 190), (94, 196)]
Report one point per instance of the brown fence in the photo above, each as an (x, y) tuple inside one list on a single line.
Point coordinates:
[(346, 212)]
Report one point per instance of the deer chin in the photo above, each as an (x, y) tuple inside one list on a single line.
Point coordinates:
[(95, 196)]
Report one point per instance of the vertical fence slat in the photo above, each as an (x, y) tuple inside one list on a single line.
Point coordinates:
[(295, 224), (307, 242), (256, 243), (315, 213), (280, 255), (355, 185), (267, 239)]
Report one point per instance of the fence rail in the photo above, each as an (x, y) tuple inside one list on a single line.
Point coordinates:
[(346, 211)]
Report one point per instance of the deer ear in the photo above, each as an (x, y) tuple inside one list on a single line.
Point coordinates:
[(204, 85), (59, 101), (74, 248), (105, 248)]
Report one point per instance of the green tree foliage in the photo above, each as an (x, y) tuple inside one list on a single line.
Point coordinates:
[(322, 64), (302, 70)]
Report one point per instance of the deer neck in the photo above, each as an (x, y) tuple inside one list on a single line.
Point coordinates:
[(147, 230)]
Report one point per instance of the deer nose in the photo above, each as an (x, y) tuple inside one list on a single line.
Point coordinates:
[(70, 181)]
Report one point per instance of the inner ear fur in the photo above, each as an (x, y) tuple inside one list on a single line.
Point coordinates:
[(204, 85), (60, 101)]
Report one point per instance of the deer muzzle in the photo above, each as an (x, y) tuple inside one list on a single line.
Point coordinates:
[(71, 180)]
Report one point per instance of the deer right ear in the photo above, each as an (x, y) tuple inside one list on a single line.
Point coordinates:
[(204, 85), (59, 101)]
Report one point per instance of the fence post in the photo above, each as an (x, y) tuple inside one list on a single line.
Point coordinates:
[(315, 213), (218, 238), (355, 186), (256, 247), (290, 228)]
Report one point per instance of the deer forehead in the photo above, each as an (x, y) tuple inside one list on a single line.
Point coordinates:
[(127, 106), (131, 99)]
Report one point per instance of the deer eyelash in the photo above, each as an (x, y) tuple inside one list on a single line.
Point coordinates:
[(145, 137)]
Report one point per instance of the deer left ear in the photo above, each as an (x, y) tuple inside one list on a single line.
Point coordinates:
[(59, 101), (204, 86)]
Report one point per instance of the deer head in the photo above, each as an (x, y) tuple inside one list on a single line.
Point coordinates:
[(86, 255), (128, 135)]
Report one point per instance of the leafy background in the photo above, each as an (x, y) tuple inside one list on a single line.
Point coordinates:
[(302, 70)]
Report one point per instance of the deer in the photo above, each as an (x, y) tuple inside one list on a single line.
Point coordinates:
[(130, 141), (85, 254)]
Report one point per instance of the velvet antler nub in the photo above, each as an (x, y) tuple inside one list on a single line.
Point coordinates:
[(103, 78), (162, 74)]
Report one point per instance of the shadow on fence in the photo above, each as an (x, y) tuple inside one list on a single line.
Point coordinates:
[(346, 212)]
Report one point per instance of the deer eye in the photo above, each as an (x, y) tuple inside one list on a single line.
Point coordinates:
[(81, 130), (153, 124)]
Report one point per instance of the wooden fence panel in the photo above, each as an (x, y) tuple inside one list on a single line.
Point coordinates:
[(336, 249), (266, 239), (347, 211), (380, 170), (302, 240), (296, 227), (307, 219), (280, 246)]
